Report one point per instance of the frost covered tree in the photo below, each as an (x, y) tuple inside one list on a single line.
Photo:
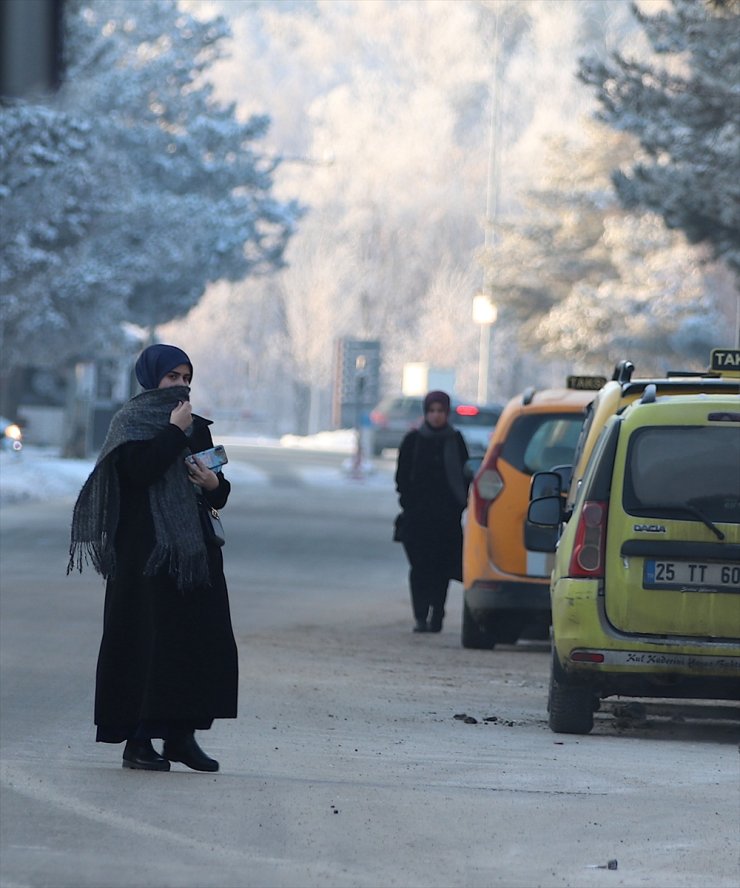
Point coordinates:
[(556, 240), (590, 282), (385, 110), (683, 105), (386, 107), (131, 191), (658, 311)]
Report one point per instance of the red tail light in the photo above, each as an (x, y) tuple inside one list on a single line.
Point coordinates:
[(587, 657), (487, 485), (587, 560), (378, 418)]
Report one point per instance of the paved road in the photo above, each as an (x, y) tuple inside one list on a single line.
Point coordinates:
[(347, 765)]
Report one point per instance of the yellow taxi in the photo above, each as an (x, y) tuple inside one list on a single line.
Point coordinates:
[(505, 585), (645, 587)]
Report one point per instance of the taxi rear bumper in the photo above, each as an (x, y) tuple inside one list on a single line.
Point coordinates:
[(591, 651), (486, 597)]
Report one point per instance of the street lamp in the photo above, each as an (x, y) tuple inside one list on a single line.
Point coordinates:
[(484, 314)]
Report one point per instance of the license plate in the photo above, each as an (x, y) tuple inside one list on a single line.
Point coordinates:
[(706, 575)]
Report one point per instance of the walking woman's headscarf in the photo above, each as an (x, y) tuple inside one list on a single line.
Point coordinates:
[(179, 547), (435, 397)]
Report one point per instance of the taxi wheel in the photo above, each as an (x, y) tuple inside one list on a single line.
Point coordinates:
[(570, 706), (472, 636)]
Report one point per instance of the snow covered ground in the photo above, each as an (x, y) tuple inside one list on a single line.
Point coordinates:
[(40, 473)]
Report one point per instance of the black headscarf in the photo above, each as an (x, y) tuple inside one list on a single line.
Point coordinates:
[(156, 361), (436, 397)]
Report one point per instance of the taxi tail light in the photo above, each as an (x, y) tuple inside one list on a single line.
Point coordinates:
[(487, 485), (587, 559)]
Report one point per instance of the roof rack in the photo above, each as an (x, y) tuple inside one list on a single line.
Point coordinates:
[(528, 394), (648, 396), (623, 370)]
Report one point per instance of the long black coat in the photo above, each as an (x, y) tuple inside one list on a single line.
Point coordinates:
[(166, 656), (432, 534)]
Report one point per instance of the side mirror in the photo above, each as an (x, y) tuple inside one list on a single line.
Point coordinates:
[(547, 511), (545, 484), (566, 476), (540, 539), (542, 527), (471, 467)]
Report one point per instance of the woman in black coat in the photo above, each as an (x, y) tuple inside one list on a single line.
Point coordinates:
[(432, 493), (168, 661)]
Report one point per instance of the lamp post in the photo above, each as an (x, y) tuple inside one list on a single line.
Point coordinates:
[(484, 311), (484, 314)]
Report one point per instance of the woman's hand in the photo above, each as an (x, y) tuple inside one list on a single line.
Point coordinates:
[(200, 474), (182, 415)]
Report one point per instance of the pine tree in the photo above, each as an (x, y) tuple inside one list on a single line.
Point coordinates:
[(124, 196), (685, 111)]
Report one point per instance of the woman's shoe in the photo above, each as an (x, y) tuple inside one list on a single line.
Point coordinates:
[(142, 756), (187, 751), (435, 623)]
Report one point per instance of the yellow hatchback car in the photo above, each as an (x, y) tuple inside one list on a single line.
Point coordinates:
[(645, 587), (505, 585)]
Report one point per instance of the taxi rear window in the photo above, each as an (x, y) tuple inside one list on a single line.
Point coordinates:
[(679, 467), (539, 441)]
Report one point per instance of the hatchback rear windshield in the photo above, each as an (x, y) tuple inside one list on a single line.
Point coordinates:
[(540, 441), (684, 467)]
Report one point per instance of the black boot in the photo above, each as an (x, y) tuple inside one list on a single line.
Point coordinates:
[(420, 626), (186, 750), (435, 624), (142, 756)]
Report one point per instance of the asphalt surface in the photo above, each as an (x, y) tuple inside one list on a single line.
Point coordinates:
[(363, 755)]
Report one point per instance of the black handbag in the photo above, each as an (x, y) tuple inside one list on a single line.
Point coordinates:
[(217, 528), (212, 525)]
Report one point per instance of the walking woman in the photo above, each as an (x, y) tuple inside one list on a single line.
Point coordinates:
[(168, 661), (432, 493)]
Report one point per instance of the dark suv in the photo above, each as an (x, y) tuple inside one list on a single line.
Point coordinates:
[(396, 415)]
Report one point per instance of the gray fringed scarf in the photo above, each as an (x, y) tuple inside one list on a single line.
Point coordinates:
[(451, 459), (179, 547)]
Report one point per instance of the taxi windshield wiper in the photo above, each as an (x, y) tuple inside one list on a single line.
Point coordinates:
[(681, 507)]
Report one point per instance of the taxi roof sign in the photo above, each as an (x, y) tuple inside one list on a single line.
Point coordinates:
[(725, 361), (586, 383)]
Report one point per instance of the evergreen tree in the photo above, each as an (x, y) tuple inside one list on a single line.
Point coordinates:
[(131, 191), (685, 111)]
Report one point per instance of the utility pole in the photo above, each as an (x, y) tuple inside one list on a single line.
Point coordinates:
[(484, 309)]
